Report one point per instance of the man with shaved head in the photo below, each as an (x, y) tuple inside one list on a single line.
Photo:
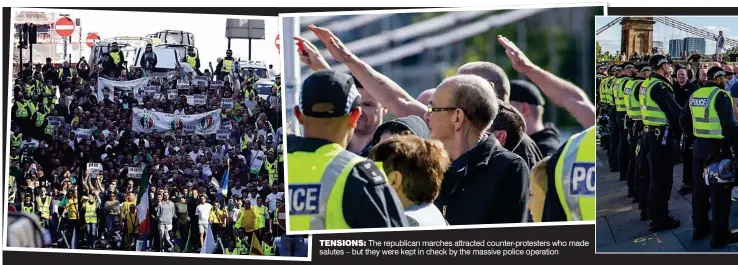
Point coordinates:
[(497, 77), (460, 111), (425, 96)]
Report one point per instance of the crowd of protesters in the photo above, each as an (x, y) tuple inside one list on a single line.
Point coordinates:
[(460, 153), (98, 208)]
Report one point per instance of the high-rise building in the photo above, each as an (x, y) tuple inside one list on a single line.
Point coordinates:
[(676, 47), (659, 46), (694, 44)]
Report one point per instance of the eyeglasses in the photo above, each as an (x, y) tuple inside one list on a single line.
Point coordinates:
[(432, 109)]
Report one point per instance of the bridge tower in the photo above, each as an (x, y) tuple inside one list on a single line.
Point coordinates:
[(637, 35)]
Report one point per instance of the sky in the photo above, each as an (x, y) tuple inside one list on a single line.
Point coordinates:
[(610, 39), (209, 31)]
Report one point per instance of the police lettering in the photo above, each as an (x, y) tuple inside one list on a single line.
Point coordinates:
[(305, 198), (643, 90), (582, 179), (698, 102), (626, 91)]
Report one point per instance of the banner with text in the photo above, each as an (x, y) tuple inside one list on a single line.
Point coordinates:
[(151, 121), (106, 87)]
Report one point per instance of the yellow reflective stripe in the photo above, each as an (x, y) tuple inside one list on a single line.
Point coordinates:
[(327, 181)]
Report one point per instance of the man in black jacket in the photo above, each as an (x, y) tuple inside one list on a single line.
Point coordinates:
[(709, 145), (485, 184), (682, 90), (116, 60), (527, 99)]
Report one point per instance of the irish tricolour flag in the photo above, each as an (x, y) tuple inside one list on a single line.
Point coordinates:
[(143, 210)]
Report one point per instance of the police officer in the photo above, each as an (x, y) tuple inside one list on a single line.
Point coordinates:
[(572, 173), (660, 115), (605, 97), (635, 128), (616, 113), (116, 61), (225, 66), (193, 59), (620, 118), (710, 119), (332, 179)]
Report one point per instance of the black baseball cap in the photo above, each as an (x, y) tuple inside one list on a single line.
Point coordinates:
[(328, 94), (715, 72), (659, 60), (525, 92)]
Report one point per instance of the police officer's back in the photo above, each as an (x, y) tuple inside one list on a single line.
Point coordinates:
[(660, 116), (330, 187), (710, 119)]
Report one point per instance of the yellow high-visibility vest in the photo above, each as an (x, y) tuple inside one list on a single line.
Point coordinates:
[(91, 213)]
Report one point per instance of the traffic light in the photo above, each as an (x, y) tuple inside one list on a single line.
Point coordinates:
[(32, 36)]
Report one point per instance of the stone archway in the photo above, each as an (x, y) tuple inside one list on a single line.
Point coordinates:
[(640, 44)]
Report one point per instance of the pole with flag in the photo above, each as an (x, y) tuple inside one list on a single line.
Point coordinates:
[(143, 210), (209, 244), (223, 192), (256, 249)]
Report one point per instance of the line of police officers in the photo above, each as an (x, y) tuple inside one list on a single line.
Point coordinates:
[(638, 105)]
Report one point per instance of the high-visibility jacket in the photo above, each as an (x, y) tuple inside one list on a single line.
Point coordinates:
[(49, 130), (327, 168), (244, 141), (91, 213), (28, 208), (48, 92), (272, 169), (72, 209), (22, 109), (652, 113), (260, 211), (18, 159), (268, 249), (32, 108), (576, 177), (227, 64), (16, 140), (705, 121), (275, 214), (116, 57), (192, 60), (605, 90), (235, 250), (241, 247), (43, 206), (40, 118), (632, 105), (617, 91)]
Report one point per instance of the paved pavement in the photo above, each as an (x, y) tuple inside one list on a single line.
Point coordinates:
[(618, 224)]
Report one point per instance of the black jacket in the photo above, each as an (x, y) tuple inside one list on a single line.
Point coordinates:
[(547, 140), (527, 150), (486, 185)]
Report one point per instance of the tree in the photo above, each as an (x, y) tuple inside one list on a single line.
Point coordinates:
[(598, 49)]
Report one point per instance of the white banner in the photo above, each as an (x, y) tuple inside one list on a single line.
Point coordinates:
[(94, 169), (197, 99), (135, 172), (149, 121), (82, 134), (107, 87), (182, 84), (226, 103), (172, 94)]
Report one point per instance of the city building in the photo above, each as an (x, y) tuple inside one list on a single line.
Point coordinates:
[(694, 44), (676, 47)]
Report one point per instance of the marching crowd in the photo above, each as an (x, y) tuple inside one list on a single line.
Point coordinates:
[(96, 180), (473, 150), (650, 111)]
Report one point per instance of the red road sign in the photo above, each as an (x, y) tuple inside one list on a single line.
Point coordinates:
[(281, 217), (11, 209), (276, 42), (91, 38), (64, 27)]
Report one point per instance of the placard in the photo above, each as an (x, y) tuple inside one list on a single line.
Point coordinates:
[(200, 82), (226, 126), (135, 172), (94, 168), (183, 84), (200, 99), (226, 103), (172, 94), (56, 121), (216, 85), (223, 135)]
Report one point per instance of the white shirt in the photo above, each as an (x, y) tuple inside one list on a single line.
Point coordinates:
[(235, 190), (252, 200), (203, 213), (234, 214), (271, 201)]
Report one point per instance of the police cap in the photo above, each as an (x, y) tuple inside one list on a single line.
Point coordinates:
[(328, 94), (644, 67), (715, 72), (627, 66), (658, 61)]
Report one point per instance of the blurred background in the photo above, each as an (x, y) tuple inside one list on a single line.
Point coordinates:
[(418, 50)]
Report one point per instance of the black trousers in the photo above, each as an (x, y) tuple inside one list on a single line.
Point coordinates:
[(617, 128), (687, 170), (703, 149), (643, 172), (624, 152), (633, 171), (661, 162)]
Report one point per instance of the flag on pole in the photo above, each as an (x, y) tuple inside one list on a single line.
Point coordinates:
[(188, 247), (209, 244), (223, 192), (256, 246), (74, 239), (143, 208)]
